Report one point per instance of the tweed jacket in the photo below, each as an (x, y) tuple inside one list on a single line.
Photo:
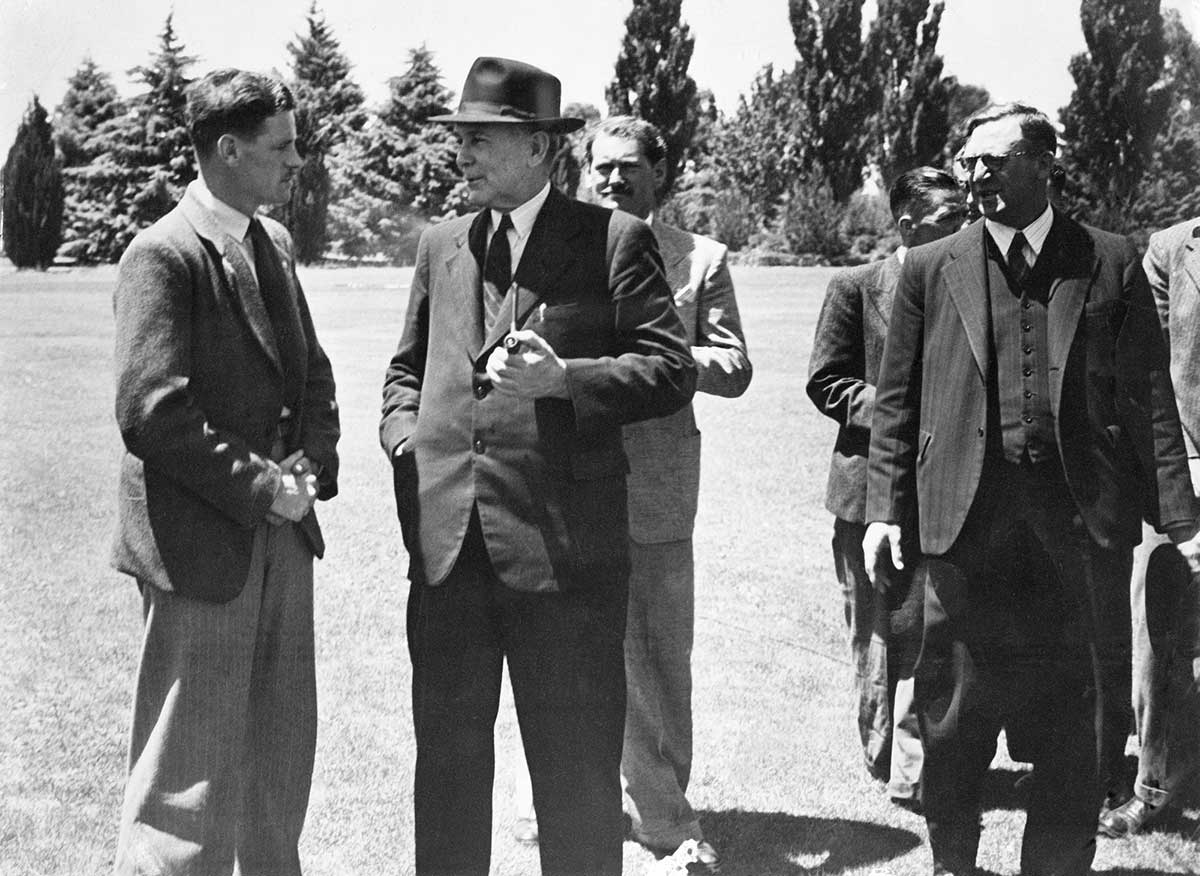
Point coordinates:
[(842, 372), (547, 476), (1116, 423), (1173, 265), (198, 399), (664, 453)]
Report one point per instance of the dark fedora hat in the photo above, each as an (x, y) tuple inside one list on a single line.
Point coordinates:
[(504, 91)]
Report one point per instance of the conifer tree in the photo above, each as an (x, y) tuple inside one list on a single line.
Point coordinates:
[(651, 78), (1118, 107), (328, 110), (90, 101), (33, 193)]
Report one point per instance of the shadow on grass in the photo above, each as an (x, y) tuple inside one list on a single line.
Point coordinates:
[(780, 844)]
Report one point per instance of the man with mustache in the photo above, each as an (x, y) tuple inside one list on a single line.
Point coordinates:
[(1024, 406), (225, 402), (627, 170), (536, 328)]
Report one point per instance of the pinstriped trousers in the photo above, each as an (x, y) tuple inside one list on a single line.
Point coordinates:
[(225, 724)]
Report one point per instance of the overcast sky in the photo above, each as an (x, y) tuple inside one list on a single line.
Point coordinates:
[(1014, 48)]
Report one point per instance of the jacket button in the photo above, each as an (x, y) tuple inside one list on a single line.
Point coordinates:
[(481, 389), (980, 431), (479, 445)]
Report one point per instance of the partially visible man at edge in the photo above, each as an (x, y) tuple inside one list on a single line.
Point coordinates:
[(536, 328), (225, 402), (1164, 600), (884, 624)]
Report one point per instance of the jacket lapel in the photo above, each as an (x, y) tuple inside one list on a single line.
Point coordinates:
[(1071, 265), (965, 281), (465, 277), (238, 275), (547, 254), (1191, 257)]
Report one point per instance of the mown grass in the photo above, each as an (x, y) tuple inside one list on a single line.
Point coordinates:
[(777, 772)]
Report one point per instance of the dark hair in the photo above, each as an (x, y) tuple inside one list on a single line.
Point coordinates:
[(649, 138), (232, 101), (917, 186), (1036, 127)]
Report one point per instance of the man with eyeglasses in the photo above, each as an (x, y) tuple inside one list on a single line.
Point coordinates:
[(1024, 405)]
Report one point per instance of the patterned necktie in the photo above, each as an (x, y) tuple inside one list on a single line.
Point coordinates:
[(497, 272), (1018, 268), (285, 322)]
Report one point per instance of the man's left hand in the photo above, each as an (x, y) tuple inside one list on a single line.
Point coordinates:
[(1190, 550), (530, 370)]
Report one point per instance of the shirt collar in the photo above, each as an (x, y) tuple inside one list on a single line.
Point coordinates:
[(233, 222), (901, 252), (1035, 232), (524, 216)]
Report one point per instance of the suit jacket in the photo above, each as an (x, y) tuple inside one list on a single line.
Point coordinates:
[(548, 475), (199, 394), (843, 370), (1173, 265), (1117, 428), (664, 453)]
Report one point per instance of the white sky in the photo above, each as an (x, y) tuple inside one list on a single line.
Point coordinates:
[(1014, 48)]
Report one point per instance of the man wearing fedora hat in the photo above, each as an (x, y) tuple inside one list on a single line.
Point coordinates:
[(536, 328)]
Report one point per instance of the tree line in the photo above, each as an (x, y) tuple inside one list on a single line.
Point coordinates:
[(794, 174)]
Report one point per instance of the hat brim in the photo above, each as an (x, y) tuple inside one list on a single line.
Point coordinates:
[(557, 125)]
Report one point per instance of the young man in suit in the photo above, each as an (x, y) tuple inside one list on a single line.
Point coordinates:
[(884, 626), (536, 329), (626, 170), (1024, 406), (225, 402), (1165, 602)]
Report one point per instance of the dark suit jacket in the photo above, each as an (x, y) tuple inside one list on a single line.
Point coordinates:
[(1117, 427), (842, 372), (199, 393), (547, 476)]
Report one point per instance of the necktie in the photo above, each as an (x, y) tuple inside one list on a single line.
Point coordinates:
[(285, 323), (497, 272), (1018, 268)]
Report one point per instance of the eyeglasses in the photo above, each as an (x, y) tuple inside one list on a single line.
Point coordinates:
[(994, 163)]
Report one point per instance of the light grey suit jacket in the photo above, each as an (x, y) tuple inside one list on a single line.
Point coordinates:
[(1172, 264), (664, 453)]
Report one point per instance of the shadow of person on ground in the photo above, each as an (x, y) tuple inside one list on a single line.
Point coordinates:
[(781, 844)]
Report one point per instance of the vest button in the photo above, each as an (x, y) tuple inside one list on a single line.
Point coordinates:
[(479, 446)]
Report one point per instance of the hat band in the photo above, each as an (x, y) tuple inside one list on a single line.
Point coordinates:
[(484, 107)]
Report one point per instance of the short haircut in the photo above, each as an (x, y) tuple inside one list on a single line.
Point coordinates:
[(916, 188), (649, 138), (231, 101), (1036, 126)]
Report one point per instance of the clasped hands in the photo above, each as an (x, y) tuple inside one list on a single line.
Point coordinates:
[(527, 367), (297, 490)]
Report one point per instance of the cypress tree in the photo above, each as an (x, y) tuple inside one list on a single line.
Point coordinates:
[(33, 193)]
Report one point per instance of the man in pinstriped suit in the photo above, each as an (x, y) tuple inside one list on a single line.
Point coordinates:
[(225, 402), (1024, 406)]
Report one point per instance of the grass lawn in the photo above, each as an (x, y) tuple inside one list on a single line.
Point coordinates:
[(777, 771)]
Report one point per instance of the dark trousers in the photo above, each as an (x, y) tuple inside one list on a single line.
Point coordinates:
[(566, 664), (1026, 627)]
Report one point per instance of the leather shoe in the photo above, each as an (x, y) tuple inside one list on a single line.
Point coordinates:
[(525, 831), (692, 857), (1128, 818)]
